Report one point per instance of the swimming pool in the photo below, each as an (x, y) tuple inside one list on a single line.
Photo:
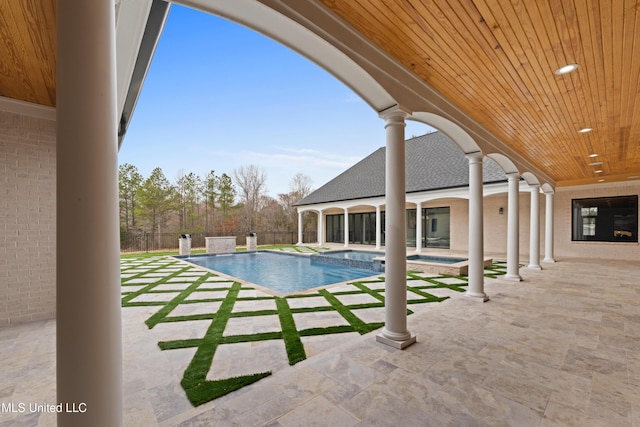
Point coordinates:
[(283, 273)]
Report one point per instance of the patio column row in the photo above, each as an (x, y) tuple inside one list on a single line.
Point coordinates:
[(513, 226)]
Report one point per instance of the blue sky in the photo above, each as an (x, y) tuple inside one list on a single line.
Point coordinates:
[(219, 96)]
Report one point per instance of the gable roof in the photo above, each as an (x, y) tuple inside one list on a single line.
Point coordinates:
[(433, 162)]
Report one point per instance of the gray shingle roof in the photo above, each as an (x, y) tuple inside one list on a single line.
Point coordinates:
[(433, 161)]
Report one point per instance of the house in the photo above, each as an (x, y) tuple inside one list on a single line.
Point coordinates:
[(548, 93), (437, 179)]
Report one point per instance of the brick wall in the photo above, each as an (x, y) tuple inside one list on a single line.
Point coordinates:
[(28, 213)]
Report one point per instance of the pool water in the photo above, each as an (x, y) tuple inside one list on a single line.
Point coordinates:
[(283, 273)]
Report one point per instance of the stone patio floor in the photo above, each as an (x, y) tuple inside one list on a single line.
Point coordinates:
[(561, 348)]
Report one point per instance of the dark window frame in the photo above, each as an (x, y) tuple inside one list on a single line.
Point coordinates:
[(611, 219)]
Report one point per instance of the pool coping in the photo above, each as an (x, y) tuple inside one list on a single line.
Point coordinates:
[(455, 269)]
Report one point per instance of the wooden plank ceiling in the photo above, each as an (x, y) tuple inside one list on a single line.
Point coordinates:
[(28, 50), (496, 60)]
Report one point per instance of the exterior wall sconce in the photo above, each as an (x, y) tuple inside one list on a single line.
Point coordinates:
[(501, 211)]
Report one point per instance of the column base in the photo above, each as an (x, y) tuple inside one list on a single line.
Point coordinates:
[(548, 260), (511, 277), (474, 296), (534, 267), (399, 344)]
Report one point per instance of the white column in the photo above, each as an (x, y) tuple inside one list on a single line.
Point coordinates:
[(320, 227), (534, 228), (395, 332), (513, 228), (299, 227), (346, 227), (475, 288), (378, 227), (419, 227), (88, 325), (548, 228)]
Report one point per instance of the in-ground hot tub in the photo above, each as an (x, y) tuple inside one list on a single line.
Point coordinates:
[(455, 266), (349, 258)]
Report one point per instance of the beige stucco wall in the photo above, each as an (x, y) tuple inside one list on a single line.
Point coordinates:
[(565, 248), (28, 212), (495, 225)]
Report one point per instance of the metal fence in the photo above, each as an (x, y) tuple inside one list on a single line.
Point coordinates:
[(155, 242)]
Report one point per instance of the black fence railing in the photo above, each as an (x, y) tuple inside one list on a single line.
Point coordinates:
[(154, 242)]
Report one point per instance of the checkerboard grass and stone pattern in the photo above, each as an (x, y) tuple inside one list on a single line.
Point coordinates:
[(498, 268), (238, 334)]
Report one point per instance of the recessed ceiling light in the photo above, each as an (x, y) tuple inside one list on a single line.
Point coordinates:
[(601, 180), (598, 171), (566, 69), (585, 130), (593, 155), (595, 163)]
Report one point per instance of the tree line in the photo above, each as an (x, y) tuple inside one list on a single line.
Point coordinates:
[(213, 204)]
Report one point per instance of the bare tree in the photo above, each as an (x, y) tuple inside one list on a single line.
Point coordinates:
[(251, 182), (299, 186)]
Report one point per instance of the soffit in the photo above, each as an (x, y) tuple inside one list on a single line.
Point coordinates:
[(495, 61), (28, 51)]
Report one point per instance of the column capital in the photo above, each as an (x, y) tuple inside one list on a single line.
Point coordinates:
[(394, 114), (513, 176), (475, 157)]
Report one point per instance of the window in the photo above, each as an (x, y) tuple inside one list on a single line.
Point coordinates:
[(589, 221), (335, 228), (605, 219), (436, 227)]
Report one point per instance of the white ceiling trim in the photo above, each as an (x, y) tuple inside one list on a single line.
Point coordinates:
[(27, 108)]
